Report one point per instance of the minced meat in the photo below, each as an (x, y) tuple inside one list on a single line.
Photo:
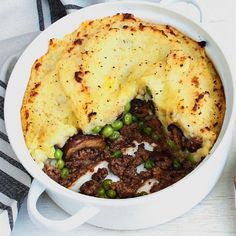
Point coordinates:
[(167, 163)]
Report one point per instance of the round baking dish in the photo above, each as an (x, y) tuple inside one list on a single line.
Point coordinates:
[(123, 214)]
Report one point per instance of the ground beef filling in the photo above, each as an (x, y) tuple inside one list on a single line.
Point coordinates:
[(169, 161)]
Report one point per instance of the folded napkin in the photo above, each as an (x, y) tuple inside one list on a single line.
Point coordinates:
[(14, 180)]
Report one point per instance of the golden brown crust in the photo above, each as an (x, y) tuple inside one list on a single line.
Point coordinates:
[(86, 78)]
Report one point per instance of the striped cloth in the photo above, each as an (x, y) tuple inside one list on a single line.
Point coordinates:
[(14, 180), (18, 28)]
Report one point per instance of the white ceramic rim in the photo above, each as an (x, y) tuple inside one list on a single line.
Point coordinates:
[(12, 121)]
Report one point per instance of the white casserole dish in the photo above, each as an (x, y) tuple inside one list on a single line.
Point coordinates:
[(135, 213)]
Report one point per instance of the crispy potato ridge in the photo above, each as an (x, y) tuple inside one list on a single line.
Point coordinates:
[(87, 77)]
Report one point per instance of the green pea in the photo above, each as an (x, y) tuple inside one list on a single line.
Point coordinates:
[(171, 144), (58, 154), (127, 119), (107, 131), (96, 129), (106, 184), (176, 164), (60, 164), (147, 130), (156, 137), (141, 125), (64, 173), (117, 125), (115, 135), (117, 154), (101, 192), (148, 91), (191, 159), (127, 107), (111, 193), (148, 164), (134, 118)]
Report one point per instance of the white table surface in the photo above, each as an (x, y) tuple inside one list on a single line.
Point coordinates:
[(216, 214)]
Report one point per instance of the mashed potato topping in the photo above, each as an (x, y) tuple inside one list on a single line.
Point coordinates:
[(86, 78)]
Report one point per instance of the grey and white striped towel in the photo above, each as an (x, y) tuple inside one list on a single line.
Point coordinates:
[(14, 180), (21, 21)]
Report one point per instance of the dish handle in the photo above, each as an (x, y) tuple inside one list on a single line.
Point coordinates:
[(193, 2), (83, 215)]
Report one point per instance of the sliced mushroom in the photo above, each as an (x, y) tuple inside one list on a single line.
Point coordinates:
[(80, 141)]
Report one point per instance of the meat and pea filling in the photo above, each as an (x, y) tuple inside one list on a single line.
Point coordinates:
[(169, 160)]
